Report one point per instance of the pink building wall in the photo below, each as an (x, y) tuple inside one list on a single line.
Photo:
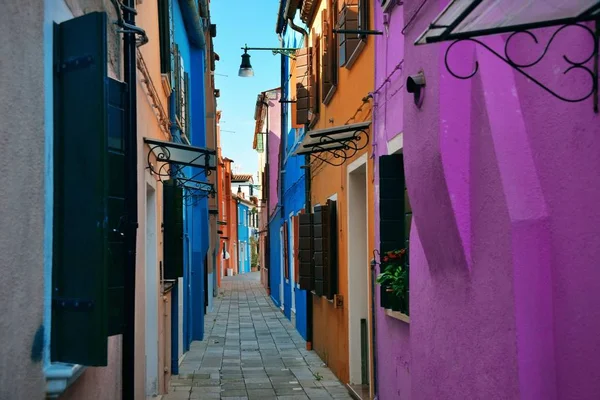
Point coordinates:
[(505, 243), (274, 137)]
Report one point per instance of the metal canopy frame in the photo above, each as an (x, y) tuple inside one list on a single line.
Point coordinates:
[(340, 142), (460, 22), (174, 157), (194, 191)]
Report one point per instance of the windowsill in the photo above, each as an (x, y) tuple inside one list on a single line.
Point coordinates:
[(397, 315), (60, 376)]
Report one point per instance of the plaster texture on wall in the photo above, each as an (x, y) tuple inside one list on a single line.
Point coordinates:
[(22, 199), (504, 242)]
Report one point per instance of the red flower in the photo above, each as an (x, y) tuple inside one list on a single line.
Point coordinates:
[(385, 259), (393, 256)]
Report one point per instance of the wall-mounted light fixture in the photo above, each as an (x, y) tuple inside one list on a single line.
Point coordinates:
[(246, 70), (415, 85)]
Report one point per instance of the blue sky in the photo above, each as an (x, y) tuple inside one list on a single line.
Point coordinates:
[(238, 23)]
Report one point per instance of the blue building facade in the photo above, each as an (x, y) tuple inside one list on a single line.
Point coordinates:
[(243, 227), (292, 198), (187, 105)]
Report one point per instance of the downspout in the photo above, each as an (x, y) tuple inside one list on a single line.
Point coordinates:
[(268, 187), (131, 206), (298, 29)]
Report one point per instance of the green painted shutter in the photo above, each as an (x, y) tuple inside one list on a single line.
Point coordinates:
[(188, 128), (331, 234), (305, 254), (173, 230), (116, 206), (391, 207), (164, 31), (79, 268)]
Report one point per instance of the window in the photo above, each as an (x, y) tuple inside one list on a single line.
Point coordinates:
[(181, 93), (318, 233), (164, 28), (330, 54), (395, 217), (353, 16)]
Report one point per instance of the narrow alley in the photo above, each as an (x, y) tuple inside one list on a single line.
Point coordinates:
[(251, 352)]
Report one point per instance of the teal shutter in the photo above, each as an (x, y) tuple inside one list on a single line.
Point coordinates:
[(173, 230), (116, 206), (164, 32), (391, 207), (79, 269)]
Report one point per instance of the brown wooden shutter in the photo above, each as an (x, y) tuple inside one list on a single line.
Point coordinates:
[(330, 67), (286, 266), (315, 78), (348, 42), (363, 15), (331, 271), (302, 85), (296, 225), (321, 249), (327, 84), (305, 251)]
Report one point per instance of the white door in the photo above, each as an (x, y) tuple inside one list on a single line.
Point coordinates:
[(292, 257)]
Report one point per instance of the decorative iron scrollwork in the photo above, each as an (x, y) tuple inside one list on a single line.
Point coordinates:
[(194, 191), (167, 169), (521, 67), (346, 148)]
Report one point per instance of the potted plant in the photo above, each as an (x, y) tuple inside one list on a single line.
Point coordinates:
[(394, 280)]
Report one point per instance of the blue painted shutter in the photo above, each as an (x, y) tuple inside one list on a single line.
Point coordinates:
[(391, 207), (79, 268), (116, 206), (173, 230)]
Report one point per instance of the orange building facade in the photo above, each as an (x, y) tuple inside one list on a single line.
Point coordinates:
[(334, 75)]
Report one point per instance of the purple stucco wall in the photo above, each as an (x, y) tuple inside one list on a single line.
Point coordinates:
[(274, 143), (503, 181)]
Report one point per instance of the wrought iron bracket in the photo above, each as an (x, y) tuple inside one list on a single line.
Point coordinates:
[(573, 65), (285, 51), (343, 150), (169, 167)]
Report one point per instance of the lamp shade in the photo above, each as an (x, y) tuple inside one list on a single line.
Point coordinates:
[(245, 67)]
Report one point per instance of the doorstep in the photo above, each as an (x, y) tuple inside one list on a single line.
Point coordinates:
[(359, 392)]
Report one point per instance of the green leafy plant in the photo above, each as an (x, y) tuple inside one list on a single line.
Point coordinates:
[(394, 277)]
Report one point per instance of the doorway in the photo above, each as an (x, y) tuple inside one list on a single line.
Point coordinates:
[(151, 284), (292, 258), (282, 266), (358, 274)]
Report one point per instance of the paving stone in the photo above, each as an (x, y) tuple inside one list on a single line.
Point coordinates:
[(251, 352)]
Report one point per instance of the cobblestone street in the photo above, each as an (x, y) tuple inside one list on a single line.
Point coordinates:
[(251, 351)]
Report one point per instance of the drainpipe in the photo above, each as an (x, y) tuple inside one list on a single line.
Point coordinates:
[(308, 209), (267, 246), (298, 29), (130, 79)]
